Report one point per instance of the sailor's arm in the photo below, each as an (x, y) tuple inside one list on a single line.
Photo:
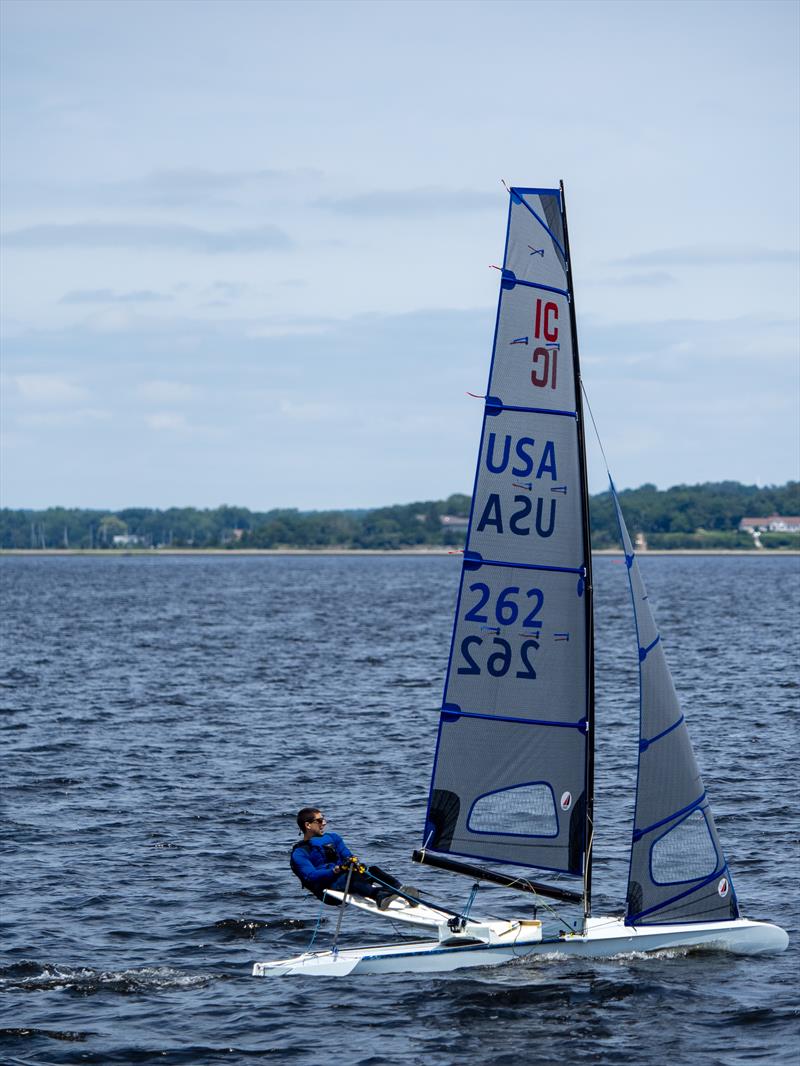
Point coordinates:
[(343, 853), (320, 876)]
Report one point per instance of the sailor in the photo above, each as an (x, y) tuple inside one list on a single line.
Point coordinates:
[(322, 860)]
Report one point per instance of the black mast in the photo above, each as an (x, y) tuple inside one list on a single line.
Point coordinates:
[(589, 590)]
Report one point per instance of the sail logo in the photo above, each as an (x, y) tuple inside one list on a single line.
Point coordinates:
[(546, 318), (566, 801), (523, 462), (724, 887), (545, 360), (519, 340), (497, 461)]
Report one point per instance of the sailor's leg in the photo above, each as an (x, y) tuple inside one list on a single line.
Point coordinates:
[(382, 877)]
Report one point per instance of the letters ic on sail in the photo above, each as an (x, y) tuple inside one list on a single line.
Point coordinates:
[(509, 778)]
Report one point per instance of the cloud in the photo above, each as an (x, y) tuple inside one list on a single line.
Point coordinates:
[(170, 237), (49, 390), (169, 188), (650, 278), (173, 421), (710, 256), (403, 203), (57, 419), (310, 412), (166, 391), (107, 296), (187, 185)]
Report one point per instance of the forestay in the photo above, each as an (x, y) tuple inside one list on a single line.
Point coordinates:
[(510, 774), (678, 871)]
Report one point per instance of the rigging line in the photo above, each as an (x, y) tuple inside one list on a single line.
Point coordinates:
[(316, 927), (596, 430), (343, 908), (587, 862), (473, 893), (415, 899), (541, 901)]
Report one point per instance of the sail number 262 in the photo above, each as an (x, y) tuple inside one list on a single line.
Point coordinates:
[(506, 611)]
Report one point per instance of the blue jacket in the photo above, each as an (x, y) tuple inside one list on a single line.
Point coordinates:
[(313, 861)]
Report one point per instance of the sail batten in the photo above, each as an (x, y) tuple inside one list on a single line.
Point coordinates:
[(511, 779)]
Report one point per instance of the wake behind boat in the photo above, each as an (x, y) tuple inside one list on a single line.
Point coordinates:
[(513, 774)]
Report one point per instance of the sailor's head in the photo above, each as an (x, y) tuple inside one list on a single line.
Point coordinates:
[(311, 821)]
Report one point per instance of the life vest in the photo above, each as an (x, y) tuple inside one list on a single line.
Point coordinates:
[(313, 889)]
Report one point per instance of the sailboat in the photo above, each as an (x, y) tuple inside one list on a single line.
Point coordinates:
[(513, 770)]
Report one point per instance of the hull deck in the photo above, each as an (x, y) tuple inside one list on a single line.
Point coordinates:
[(603, 938)]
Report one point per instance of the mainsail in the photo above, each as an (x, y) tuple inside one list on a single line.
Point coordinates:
[(678, 871), (512, 773)]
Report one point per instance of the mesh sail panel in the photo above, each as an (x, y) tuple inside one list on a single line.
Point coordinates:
[(486, 802), (509, 776), (678, 871)]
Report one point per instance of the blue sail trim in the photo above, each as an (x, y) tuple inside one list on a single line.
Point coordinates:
[(477, 560), (494, 405), (639, 833), (537, 192), (516, 195), (644, 652), (721, 871), (450, 712), (628, 565), (510, 279), (644, 744)]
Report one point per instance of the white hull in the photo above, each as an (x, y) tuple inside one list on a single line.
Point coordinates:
[(603, 938)]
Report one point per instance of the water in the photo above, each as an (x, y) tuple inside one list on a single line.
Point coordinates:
[(163, 720)]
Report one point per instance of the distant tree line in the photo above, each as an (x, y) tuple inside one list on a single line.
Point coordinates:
[(684, 516)]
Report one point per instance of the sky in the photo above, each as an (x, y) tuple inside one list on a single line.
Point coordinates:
[(247, 246)]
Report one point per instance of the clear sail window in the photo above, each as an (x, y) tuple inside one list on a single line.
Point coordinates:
[(524, 810), (685, 853)]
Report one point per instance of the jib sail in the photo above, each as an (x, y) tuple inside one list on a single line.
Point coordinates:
[(512, 771), (678, 871)]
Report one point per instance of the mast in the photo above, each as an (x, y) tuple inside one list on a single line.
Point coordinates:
[(589, 591)]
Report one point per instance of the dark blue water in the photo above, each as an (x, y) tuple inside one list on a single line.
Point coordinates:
[(163, 720)]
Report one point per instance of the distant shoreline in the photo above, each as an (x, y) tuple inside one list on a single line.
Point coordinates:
[(117, 553)]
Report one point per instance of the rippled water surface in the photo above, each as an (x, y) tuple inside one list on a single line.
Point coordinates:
[(164, 718)]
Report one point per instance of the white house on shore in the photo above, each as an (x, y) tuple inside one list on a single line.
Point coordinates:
[(774, 523)]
